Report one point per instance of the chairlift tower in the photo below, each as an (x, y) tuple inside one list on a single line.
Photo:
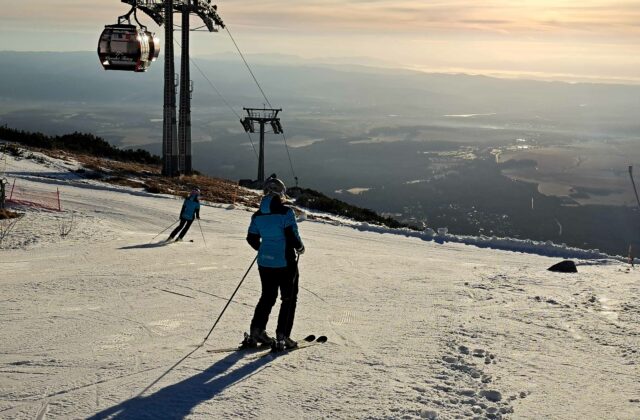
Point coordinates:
[(176, 140), (262, 116)]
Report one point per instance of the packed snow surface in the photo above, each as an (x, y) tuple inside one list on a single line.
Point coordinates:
[(105, 322)]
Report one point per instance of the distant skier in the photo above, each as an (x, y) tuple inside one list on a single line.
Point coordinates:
[(274, 234), (190, 211)]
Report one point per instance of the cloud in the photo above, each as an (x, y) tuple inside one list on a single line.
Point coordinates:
[(527, 16), (419, 16)]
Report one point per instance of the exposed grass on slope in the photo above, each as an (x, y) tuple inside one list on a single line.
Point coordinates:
[(6, 214), (149, 177)]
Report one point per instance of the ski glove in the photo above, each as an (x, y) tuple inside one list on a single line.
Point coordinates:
[(300, 250)]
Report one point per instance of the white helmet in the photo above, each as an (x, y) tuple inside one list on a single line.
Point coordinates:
[(273, 186)]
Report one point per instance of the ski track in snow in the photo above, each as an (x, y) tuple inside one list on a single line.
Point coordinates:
[(416, 329)]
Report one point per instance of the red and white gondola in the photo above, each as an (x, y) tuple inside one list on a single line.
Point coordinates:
[(127, 48)]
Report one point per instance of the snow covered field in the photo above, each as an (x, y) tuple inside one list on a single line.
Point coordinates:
[(98, 324)]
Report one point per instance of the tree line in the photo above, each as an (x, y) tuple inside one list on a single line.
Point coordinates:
[(88, 144)]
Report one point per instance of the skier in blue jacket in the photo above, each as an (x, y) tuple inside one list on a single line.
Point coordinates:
[(274, 234), (190, 211)]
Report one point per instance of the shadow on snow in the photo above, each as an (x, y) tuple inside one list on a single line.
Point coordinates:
[(177, 400), (146, 246)]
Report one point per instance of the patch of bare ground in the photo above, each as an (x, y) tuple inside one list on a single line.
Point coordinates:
[(149, 177), (6, 214)]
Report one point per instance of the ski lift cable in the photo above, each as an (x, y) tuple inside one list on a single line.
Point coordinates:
[(635, 190), (221, 97), (255, 152), (286, 145), (248, 67)]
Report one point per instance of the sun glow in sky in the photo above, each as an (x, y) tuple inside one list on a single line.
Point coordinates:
[(553, 39)]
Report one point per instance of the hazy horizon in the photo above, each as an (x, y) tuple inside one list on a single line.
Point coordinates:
[(369, 62)]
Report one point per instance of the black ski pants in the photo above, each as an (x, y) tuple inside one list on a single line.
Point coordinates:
[(272, 279), (184, 223)]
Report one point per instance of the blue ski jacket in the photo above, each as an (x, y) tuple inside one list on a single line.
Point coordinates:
[(190, 208), (273, 232)]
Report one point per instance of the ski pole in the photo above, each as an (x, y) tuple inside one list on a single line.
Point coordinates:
[(164, 230), (230, 299), (205, 241), (635, 190), (634, 184)]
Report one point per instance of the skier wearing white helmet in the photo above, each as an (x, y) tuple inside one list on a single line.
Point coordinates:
[(274, 234)]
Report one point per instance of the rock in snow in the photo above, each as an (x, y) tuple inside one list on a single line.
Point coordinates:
[(564, 267)]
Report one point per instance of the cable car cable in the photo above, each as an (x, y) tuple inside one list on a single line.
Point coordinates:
[(225, 102), (248, 67), (221, 97), (286, 146), (263, 94)]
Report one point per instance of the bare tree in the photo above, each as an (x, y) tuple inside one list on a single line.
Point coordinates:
[(6, 226), (66, 226)]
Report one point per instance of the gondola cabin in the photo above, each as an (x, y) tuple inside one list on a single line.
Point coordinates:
[(127, 48)]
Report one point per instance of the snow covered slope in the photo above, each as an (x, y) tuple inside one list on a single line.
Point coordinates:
[(98, 324)]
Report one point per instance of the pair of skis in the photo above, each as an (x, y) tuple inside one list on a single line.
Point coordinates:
[(308, 341)]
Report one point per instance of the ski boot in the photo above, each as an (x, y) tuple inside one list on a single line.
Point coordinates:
[(283, 343), (256, 338), (248, 342)]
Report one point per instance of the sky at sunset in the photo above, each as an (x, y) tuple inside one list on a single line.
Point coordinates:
[(551, 39)]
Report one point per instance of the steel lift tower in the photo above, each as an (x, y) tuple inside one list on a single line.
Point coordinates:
[(262, 116), (176, 140)]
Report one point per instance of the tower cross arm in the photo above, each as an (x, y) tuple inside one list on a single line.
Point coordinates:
[(210, 18), (262, 114), (203, 9), (153, 8)]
